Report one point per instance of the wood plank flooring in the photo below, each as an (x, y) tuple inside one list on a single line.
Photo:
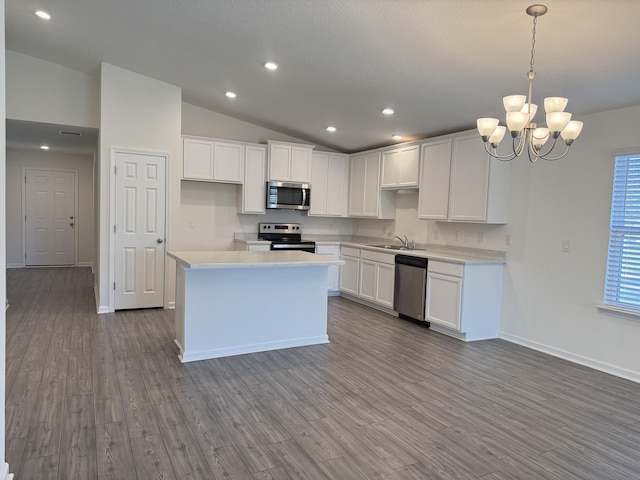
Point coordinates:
[(104, 397)]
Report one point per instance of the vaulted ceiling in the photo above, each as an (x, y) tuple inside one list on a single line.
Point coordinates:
[(439, 64)]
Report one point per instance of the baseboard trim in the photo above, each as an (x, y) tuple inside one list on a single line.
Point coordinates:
[(254, 348), (359, 300), (101, 308), (572, 357), (14, 265), (85, 264)]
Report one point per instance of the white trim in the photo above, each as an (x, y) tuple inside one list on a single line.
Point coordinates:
[(579, 359), (621, 312), (253, 348), (85, 264), (113, 151), (96, 294), (24, 209), (14, 265)]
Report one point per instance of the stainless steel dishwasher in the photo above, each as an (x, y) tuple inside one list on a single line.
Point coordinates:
[(410, 286)]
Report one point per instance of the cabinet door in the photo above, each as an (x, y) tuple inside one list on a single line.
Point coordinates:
[(198, 159), (356, 185), (254, 187), (368, 284), (319, 183), (469, 185), (444, 295), (279, 162), (372, 185), (228, 162), (337, 185), (408, 166), (349, 275), (300, 170), (433, 194), (385, 277), (390, 162)]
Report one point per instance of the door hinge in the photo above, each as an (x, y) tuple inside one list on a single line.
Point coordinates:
[(114, 229), (114, 285), (115, 170), (25, 179)]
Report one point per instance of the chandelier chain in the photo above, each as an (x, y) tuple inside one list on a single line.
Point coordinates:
[(533, 42)]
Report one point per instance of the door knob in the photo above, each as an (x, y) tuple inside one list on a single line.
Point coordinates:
[(160, 240)]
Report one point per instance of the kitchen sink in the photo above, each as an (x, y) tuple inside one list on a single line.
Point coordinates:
[(394, 247)]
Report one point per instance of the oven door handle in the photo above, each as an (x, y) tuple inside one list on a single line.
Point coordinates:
[(290, 246)]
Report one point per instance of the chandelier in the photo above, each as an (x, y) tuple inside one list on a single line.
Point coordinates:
[(520, 113)]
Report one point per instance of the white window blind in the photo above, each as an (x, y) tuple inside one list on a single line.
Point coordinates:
[(622, 288)]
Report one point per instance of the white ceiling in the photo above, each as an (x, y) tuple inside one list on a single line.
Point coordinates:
[(439, 63)]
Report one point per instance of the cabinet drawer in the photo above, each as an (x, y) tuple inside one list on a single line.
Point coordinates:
[(328, 250), (453, 269), (378, 256), (351, 252)]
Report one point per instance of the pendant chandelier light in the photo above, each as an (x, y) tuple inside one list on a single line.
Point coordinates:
[(538, 141)]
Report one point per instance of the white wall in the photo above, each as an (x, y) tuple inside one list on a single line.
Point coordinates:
[(139, 113), (37, 159), (550, 296), (45, 92)]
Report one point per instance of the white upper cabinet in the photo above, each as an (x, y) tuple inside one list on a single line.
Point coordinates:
[(400, 167), (329, 184), (460, 182), (198, 159), (228, 162), (366, 199), (433, 195), (289, 162), (252, 195), (213, 160)]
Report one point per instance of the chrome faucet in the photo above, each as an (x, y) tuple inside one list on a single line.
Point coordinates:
[(406, 243)]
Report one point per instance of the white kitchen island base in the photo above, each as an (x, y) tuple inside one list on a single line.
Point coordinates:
[(231, 303)]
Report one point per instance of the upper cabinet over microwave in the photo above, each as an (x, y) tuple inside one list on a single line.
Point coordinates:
[(289, 162)]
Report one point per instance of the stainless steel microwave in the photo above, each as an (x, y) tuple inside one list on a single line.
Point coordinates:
[(288, 195)]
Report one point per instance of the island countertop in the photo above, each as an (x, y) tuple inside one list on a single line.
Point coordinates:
[(249, 259)]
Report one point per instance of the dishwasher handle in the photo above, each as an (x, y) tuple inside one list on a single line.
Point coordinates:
[(412, 261)]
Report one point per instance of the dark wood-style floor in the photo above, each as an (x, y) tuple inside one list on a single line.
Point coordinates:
[(104, 396)]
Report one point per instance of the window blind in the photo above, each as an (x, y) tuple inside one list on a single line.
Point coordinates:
[(622, 288)]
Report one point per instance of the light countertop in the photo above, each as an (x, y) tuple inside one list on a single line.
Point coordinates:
[(248, 259)]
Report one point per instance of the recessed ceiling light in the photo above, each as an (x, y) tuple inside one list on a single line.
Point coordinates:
[(388, 111), (271, 66), (331, 129), (44, 147), (43, 15), (395, 136), (230, 94)]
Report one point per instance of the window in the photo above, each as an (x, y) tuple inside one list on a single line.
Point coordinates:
[(622, 288)]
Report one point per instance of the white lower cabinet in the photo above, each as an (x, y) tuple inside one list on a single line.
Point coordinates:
[(465, 300), (331, 251), (368, 275), (350, 271)]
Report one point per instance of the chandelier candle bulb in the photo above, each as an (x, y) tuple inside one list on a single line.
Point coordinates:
[(514, 103), (486, 126), (516, 121), (520, 112), (557, 121), (555, 104)]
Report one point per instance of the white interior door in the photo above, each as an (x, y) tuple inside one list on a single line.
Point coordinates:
[(139, 230), (50, 218)]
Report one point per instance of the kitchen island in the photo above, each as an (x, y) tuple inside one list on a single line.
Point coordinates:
[(231, 302)]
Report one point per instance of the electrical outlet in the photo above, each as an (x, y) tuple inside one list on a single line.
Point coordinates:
[(507, 240), (456, 236), (480, 237), (566, 246), (191, 224), (436, 235)]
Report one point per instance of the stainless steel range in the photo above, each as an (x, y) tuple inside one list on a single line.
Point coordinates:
[(285, 236)]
